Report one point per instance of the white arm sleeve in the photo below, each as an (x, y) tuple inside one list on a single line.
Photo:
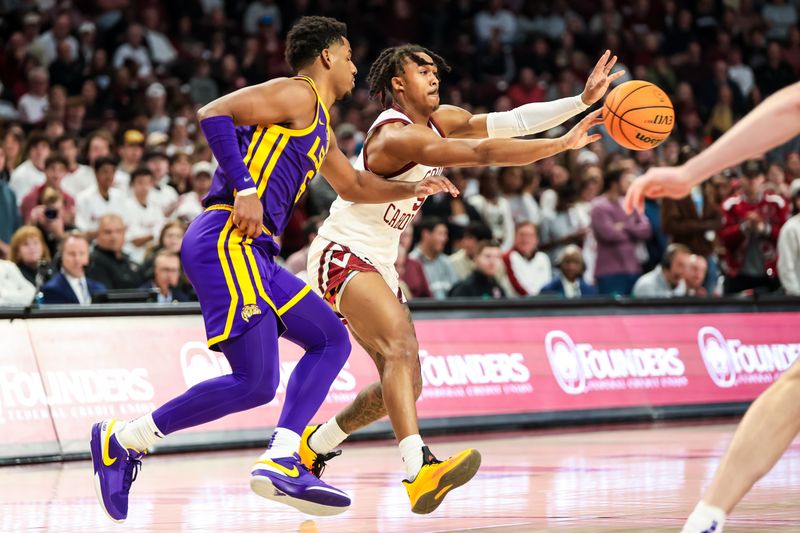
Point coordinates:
[(533, 117)]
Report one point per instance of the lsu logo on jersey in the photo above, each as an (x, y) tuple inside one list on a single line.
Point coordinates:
[(250, 310)]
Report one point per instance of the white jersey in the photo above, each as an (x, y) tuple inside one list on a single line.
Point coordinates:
[(373, 230)]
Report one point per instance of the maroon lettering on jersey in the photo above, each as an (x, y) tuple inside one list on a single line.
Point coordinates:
[(397, 219), (389, 209)]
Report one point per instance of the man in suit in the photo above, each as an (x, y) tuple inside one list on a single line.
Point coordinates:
[(569, 280), (71, 286), (167, 272)]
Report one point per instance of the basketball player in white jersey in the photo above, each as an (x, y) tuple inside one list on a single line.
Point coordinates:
[(351, 262), (773, 421)]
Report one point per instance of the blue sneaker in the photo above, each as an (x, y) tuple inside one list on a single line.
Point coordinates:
[(286, 480), (115, 469)]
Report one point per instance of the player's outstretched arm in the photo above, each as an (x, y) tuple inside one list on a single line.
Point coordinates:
[(421, 145), (368, 188), (530, 118), (770, 124), (277, 101)]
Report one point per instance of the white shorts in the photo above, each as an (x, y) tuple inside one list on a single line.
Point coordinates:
[(332, 265)]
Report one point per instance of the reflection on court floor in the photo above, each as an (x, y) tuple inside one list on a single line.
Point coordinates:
[(644, 478)]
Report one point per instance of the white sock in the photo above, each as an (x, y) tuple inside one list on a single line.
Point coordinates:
[(327, 437), (283, 443), (139, 434), (411, 450), (705, 519)]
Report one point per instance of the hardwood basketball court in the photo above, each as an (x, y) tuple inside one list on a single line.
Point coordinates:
[(620, 479)]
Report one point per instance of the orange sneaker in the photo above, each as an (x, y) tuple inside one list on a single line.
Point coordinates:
[(436, 478), (315, 462)]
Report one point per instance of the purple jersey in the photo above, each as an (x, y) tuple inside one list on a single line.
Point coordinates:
[(281, 162), (235, 277)]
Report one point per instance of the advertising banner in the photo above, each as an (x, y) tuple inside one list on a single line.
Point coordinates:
[(124, 367), (520, 365), (58, 376), (26, 427)]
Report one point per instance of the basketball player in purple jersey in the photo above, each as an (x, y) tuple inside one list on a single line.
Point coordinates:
[(269, 140), (773, 421)]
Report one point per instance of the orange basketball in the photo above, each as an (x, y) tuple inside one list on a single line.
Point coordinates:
[(638, 115)]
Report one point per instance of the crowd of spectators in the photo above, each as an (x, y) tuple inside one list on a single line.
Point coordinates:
[(102, 164)]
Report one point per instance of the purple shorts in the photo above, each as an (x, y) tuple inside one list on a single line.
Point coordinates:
[(235, 277)]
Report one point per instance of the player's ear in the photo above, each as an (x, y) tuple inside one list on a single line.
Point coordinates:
[(326, 58), (397, 84)]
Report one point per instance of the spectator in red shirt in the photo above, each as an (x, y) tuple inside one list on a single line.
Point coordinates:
[(527, 88), (413, 275), (298, 261), (400, 267), (55, 168), (752, 220)]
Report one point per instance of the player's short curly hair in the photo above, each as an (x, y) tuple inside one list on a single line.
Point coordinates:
[(390, 63), (310, 36)]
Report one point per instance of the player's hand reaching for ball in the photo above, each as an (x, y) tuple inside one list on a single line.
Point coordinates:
[(600, 79), (248, 214), (670, 182), (433, 185), (579, 136)]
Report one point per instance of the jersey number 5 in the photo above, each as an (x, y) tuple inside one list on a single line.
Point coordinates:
[(317, 154)]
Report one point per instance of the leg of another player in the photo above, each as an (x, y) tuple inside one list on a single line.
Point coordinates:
[(253, 357), (375, 315), (117, 447), (764, 434), (368, 406), (383, 326), (312, 325)]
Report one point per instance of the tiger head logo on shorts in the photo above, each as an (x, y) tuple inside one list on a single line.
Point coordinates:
[(249, 311)]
